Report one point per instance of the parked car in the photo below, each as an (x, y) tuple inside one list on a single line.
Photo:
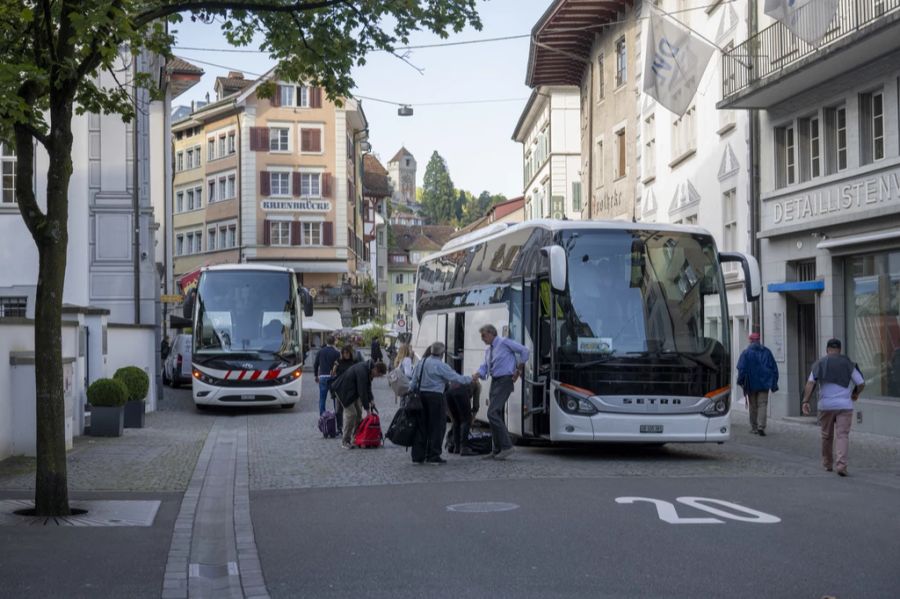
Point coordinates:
[(177, 367)]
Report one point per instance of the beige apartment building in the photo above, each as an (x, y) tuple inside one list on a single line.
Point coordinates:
[(277, 181), (593, 45)]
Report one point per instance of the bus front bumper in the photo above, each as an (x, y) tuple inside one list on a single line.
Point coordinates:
[(641, 428), (275, 395)]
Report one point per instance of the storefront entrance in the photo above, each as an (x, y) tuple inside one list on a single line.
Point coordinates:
[(807, 352)]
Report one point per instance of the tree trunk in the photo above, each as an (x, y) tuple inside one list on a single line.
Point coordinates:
[(51, 237)]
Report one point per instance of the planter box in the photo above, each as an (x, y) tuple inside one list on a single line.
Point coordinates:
[(107, 422), (134, 414)]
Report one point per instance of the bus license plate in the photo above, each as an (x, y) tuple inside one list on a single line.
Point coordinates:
[(248, 397), (651, 428)]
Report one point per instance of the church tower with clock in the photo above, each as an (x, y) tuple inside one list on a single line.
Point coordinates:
[(402, 172)]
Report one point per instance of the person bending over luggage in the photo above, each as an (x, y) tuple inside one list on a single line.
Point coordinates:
[(459, 406), (435, 375), (354, 392), (339, 367)]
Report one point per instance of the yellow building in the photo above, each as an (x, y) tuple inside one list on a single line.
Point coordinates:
[(277, 181)]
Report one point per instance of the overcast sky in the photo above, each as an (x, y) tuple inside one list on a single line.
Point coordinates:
[(475, 139)]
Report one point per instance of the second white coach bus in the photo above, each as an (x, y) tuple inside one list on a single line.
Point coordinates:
[(247, 328), (626, 323)]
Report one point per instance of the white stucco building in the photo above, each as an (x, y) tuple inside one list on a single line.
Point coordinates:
[(695, 168), (549, 131), (112, 287)]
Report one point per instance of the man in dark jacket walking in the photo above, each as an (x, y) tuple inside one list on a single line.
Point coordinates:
[(376, 351), (354, 391), (757, 375)]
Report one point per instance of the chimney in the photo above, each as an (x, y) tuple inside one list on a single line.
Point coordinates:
[(235, 75)]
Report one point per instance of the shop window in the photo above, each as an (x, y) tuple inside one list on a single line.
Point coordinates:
[(872, 293)]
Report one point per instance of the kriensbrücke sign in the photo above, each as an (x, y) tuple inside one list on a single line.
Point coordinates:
[(296, 205), (846, 200)]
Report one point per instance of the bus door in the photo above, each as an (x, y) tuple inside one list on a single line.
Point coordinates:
[(536, 315), (456, 329)]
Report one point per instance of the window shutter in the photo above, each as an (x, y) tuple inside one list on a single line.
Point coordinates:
[(316, 97), (295, 232), (315, 140), (267, 232), (304, 140), (276, 99), (265, 183), (326, 185), (259, 139), (296, 183), (327, 233)]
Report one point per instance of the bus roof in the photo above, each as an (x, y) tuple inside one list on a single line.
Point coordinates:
[(560, 225), (246, 267)]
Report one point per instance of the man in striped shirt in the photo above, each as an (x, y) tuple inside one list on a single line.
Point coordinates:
[(504, 362)]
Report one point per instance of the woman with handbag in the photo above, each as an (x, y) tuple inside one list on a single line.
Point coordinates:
[(431, 377)]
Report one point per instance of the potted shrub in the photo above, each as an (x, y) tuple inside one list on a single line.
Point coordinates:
[(107, 398), (137, 382)]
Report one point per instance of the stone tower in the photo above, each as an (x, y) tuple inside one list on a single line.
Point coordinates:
[(402, 172)]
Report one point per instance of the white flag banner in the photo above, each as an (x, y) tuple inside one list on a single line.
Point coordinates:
[(675, 63), (807, 19)]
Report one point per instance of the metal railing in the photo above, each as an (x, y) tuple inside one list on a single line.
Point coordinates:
[(775, 48), (335, 296)]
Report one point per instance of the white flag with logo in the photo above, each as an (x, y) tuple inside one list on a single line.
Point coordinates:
[(675, 63), (807, 19)]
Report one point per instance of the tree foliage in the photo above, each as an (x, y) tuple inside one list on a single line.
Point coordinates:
[(52, 55), (438, 194)]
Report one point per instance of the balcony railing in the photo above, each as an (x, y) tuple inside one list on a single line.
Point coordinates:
[(775, 48), (334, 296)]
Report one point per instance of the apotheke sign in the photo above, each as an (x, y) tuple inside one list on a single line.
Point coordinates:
[(296, 205), (845, 199)]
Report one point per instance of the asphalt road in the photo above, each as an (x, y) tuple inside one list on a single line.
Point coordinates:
[(570, 538)]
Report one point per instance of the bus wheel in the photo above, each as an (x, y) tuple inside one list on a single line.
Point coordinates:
[(287, 406)]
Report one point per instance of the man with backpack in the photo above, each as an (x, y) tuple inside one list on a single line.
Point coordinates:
[(354, 391), (325, 360)]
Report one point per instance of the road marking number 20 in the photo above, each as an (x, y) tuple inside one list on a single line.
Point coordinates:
[(667, 513)]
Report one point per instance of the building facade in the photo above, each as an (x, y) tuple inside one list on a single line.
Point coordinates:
[(549, 131), (593, 46), (694, 170), (280, 182), (829, 198), (407, 247)]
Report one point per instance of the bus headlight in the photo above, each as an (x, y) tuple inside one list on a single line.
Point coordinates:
[(289, 377), (204, 378), (574, 404), (719, 402)]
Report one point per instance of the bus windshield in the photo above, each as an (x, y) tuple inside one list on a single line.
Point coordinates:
[(246, 312), (641, 295)]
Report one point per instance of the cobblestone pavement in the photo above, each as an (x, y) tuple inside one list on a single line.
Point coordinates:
[(159, 457), (287, 451)]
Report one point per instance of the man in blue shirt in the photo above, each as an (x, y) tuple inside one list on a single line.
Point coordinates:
[(325, 359), (430, 378), (504, 362)]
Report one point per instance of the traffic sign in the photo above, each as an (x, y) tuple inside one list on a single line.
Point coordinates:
[(171, 299), (401, 323)]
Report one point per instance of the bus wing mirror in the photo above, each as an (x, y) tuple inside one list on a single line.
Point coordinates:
[(558, 267), (752, 281), (306, 301), (187, 306)]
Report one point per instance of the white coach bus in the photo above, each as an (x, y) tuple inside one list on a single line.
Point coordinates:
[(626, 323), (246, 336)]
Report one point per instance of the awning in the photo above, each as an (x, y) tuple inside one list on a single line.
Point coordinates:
[(323, 320), (795, 286), (189, 281), (839, 242), (301, 266)]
